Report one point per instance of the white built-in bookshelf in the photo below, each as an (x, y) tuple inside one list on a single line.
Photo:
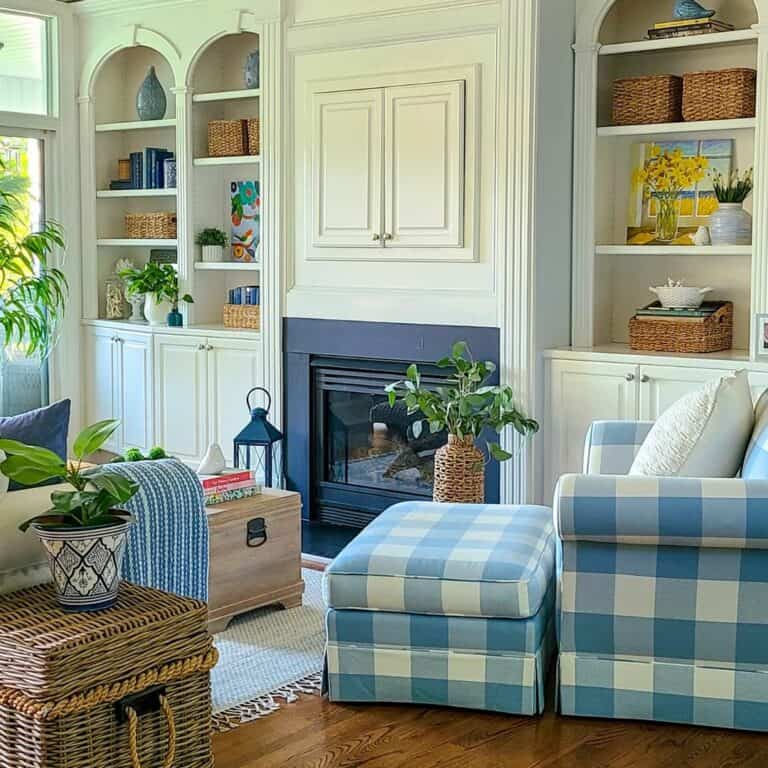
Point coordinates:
[(215, 89), (611, 278)]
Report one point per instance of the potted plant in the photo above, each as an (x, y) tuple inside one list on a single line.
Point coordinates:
[(465, 406), (85, 530), (666, 176), (212, 241), (730, 224), (33, 293), (160, 285)]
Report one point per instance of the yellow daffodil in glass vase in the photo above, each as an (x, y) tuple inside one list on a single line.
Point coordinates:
[(665, 176)]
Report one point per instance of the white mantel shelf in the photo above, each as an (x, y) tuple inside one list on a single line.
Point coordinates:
[(617, 352), (246, 93), (110, 193), (227, 266), (230, 160), (698, 41), (135, 125), (704, 126), (673, 250)]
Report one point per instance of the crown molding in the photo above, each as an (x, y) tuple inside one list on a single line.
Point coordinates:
[(94, 7)]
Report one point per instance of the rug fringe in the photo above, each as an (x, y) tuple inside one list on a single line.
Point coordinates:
[(266, 704)]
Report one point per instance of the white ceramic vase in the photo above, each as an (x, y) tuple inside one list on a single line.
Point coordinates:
[(730, 224), (213, 253), (156, 313)]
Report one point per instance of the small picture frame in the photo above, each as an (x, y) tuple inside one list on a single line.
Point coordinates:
[(761, 336)]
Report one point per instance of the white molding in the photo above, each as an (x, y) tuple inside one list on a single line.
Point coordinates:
[(759, 288)]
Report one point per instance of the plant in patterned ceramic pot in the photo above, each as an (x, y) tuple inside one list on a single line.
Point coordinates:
[(465, 406), (85, 531)]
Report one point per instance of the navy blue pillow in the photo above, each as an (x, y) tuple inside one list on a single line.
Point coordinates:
[(46, 427)]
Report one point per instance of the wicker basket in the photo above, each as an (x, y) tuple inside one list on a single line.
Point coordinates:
[(123, 688), (726, 94), (459, 472), (229, 138), (652, 99), (714, 334), (160, 225), (242, 316)]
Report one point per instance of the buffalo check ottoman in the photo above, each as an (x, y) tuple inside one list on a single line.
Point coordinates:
[(444, 604)]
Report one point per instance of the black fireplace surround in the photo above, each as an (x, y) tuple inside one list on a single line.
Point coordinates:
[(347, 452)]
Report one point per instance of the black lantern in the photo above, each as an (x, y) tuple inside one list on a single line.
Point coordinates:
[(259, 445)]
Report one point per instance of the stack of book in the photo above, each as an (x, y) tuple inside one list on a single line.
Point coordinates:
[(154, 168), (656, 312), (230, 486), (686, 27)]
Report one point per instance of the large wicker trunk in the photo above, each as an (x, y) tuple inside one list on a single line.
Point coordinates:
[(124, 688)]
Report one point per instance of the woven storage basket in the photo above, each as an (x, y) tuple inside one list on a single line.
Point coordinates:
[(652, 99), (682, 335), (459, 472), (228, 138), (160, 225), (242, 316), (726, 94), (125, 688)]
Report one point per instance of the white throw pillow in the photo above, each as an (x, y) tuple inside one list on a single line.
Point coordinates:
[(703, 434)]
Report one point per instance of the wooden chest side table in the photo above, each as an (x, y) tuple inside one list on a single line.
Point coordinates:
[(255, 555)]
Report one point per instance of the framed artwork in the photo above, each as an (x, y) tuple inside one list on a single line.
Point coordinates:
[(696, 203), (245, 212), (761, 335)]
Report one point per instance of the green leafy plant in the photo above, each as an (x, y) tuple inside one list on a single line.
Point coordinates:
[(734, 188), (98, 493), (134, 454), (211, 236), (466, 405), (158, 280), (33, 293)]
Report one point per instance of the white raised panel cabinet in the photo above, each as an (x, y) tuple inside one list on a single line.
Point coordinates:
[(580, 393), (424, 163), (347, 169), (758, 383), (661, 386), (181, 395), (233, 370), (134, 353), (100, 389)]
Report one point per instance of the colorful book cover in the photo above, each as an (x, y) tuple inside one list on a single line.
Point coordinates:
[(246, 220), (224, 497), (211, 482)]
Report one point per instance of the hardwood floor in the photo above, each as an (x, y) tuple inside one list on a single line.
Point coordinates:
[(313, 733)]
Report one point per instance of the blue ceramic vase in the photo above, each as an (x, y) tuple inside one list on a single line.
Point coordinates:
[(251, 71), (150, 100), (175, 319)]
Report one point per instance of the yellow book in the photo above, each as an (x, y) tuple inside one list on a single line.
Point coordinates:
[(681, 23)]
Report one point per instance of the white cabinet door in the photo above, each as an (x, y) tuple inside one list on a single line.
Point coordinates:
[(233, 369), (580, 393), (181, 397), (134, 390), (758, 383), (101, 401), (424, 163), (661, 386), (346, 169)]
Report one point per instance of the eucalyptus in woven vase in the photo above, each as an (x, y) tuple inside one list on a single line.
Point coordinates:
[(459, 472), (465, 405)]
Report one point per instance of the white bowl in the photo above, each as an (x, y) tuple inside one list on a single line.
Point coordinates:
[(681, 297)]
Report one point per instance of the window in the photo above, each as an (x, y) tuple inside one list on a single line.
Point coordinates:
[(24, 64), (23, 381)]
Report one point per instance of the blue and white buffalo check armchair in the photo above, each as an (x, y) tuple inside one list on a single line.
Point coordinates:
[(663, 593)]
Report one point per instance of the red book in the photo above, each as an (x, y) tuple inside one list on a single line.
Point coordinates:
[(227, 480)]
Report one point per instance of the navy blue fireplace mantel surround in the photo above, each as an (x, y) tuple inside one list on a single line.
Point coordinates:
[(310, 342)]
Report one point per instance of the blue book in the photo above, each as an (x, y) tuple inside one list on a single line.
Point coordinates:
[(151, 180), (161, 155), (137, 170)]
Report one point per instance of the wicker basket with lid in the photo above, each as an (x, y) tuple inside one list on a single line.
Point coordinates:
[(125, 688)]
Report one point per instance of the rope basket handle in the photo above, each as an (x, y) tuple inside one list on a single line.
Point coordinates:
[(133, 734)]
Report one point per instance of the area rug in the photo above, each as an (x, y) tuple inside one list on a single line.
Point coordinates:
[(268, 657)]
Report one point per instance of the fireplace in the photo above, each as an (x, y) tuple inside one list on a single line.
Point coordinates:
[(347, 452)]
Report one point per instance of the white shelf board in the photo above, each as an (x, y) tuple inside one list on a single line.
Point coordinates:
[(120, 242), (673, 250), (136, 125), (227, 266), (703, 126), (165, 192), (245, 93), (231, 160), (692, 41)]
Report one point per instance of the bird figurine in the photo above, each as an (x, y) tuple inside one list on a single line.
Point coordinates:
[(690, 9)]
